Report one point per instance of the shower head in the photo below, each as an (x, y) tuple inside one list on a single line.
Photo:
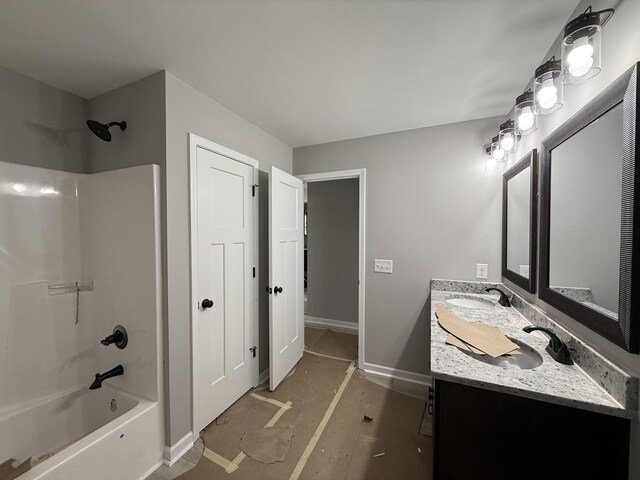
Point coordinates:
[(102, 131)]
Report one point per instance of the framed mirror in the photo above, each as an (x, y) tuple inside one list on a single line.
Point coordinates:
[(590, 211), (519, 222)]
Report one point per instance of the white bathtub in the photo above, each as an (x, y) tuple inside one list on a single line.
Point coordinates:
[(103, 434)]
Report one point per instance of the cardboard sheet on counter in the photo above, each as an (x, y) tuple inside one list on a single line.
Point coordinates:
[(478, 337), (456, 342)]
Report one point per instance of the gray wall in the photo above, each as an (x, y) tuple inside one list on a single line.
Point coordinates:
[(620, 50), (42, 126), (332, 253), (161, 110), (142, 105), (432, 209), (189, 110)]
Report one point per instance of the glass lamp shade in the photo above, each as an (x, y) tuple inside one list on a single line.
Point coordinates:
[(508, 136), (525, 114), (581, 46), (548, 87), (497, 152), (490, 163)]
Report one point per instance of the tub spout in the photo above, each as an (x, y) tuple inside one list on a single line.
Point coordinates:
[(100, 377)]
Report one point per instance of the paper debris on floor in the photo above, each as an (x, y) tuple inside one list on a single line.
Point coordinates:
[(367, 419), (488, 339), (267, 445), (379, 455), (224, 418)]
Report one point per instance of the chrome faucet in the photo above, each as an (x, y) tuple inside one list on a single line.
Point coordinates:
[(114, 372)]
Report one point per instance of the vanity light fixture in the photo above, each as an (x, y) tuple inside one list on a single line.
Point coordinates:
[(490, 163), (526, 118), (497, 152), (508, 136), (548, 86), (581, 45)]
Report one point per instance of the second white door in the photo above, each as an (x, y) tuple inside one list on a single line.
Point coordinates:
[(286, 281)]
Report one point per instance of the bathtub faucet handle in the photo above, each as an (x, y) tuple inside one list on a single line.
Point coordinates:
[(119, 337)]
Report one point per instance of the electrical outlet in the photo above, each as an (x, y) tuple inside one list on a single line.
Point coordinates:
[(383, 266), (482, 270)]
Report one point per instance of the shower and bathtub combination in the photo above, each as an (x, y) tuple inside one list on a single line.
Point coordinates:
[(79, 278)]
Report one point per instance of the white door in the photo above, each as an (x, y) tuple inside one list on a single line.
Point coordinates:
[(223, 264), (286, 281)]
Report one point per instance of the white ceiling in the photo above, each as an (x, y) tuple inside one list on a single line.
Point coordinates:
[(305, 71)]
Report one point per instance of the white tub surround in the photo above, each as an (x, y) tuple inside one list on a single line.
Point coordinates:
[(102, 228), (587, 384)]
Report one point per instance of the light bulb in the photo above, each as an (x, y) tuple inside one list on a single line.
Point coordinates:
[(498, 154), (548, 94), (578, 70), (526, 119), (580, 56), (507, 141)]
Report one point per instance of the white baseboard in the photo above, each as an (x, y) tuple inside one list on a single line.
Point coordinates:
[(409, 383), (173, 453), (337, 325), (264, 376)]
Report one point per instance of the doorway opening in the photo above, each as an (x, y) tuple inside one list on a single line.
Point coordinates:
[(334, 227)]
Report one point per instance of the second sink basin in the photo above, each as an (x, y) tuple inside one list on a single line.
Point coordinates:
[(527, 358), (470, 303)]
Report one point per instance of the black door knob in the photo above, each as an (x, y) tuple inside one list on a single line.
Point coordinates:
[(277, 289), (206, 303)]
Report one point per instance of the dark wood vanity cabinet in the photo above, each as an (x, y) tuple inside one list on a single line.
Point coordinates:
[(483, 434)]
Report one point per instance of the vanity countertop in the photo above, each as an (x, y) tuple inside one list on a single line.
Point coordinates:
[(552, 382)]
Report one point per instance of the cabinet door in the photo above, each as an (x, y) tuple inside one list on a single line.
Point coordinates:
[(483, 434)]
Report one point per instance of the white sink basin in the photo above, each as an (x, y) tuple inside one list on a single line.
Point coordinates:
[(527, 358), (470, 303)]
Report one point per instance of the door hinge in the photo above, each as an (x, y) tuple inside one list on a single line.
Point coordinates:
[(254, 272), (253, 190), (430, 401), (253, 350)]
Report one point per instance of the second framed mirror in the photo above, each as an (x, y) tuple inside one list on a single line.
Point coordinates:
[(519, 222)]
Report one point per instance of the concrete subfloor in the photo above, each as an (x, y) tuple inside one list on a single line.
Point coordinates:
[(348, 447)]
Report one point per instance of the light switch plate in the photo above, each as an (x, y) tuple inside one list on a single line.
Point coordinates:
[(382, 266), (482, 270)]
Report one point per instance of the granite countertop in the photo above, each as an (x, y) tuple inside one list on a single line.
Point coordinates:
[(553, 382)]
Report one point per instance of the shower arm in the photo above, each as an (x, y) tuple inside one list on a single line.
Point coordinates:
[(122, 125)]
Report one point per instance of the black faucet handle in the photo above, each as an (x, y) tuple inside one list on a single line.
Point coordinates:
[(109, 340), (119, 337)]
